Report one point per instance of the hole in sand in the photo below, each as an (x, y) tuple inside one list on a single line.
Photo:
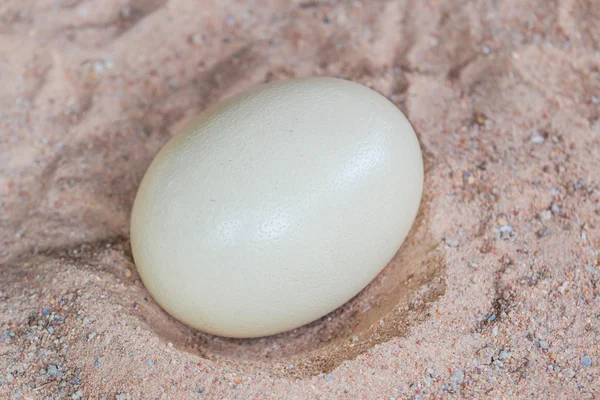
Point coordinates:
[(397, 299)]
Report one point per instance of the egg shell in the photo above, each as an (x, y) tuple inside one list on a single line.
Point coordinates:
[(276, 206)]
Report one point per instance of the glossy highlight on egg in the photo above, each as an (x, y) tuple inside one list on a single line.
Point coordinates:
[(276, 206)]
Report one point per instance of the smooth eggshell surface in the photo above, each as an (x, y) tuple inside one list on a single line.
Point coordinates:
[(277, 206)]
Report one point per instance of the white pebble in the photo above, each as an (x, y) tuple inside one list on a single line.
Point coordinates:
[(537, 139)]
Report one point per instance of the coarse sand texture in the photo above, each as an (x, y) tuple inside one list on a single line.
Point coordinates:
[(494, 293)]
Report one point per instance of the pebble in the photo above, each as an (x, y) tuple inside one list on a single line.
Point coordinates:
[(102, 65), (453, 387), (458, 375), (487, 359), (546, 215), (451, 242), (537, 139), (52, 370), (97, 363), (150, 362), (545, 231), (569, 373), (470, 179), (590, 268), (586, 361), (503, 231), (196, 39), (45, 311)]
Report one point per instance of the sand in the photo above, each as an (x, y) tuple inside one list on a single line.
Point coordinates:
[(496, 292)]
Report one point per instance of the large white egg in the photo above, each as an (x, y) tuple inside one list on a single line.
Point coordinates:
[(277, 206)]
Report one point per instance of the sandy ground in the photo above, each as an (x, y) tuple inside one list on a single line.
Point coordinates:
[(496, 293)]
